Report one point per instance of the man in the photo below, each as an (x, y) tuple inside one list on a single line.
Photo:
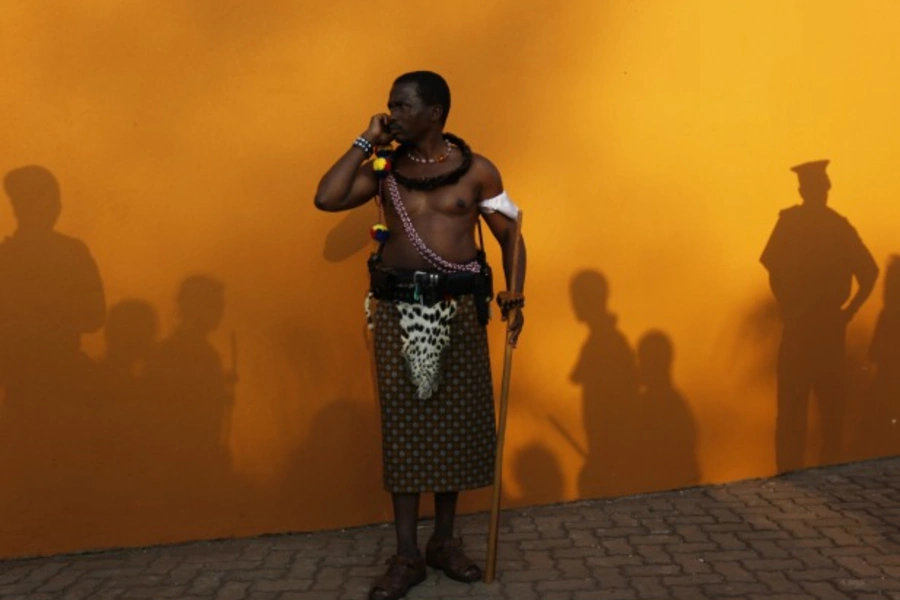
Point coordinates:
[(812, 257), (432, 291)]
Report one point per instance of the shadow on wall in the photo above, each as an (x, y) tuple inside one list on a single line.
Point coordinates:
[(753, 351), (135, 443), (640, 432), (125, 436), (538, 476), (51, 295), (191, 401), (339, 459), (880, 427), (350, 235), (812, 256), (665, 427), (335, 436), (167, 468)]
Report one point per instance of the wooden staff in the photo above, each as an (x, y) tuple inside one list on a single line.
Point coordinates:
[(491, 567)]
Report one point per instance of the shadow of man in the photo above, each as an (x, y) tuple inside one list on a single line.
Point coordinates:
[(812, 256), (50, 295), (882, 427), (194, 396), (607, 374), (666, 436), (128, 431)]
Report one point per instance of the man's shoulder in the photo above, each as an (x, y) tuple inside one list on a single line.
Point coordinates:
[(481, 161), (484, 168)]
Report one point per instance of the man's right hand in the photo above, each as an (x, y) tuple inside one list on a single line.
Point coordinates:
[(379, 133), (346, 184)]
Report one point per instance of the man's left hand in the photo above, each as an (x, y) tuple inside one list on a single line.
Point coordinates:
[(514, 329)]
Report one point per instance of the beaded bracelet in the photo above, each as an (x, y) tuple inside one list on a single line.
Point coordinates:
[(364, 145), (508, 301)]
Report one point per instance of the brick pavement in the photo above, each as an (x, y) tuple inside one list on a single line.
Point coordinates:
[(829, 533)]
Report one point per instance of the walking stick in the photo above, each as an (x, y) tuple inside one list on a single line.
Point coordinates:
[(493, 532)]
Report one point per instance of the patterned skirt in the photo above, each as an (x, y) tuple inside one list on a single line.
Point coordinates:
[(447, 441)]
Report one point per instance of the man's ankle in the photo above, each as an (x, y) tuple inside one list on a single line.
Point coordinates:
[(441, 536), (409, 552)]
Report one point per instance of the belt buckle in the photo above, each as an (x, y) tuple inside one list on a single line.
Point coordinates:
[(424, 279)]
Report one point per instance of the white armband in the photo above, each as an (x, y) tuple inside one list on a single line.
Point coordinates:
[(501, 204)]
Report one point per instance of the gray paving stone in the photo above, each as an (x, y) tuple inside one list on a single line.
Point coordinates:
[(830, 534)]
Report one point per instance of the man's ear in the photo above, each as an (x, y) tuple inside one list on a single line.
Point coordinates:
[(437, 112)]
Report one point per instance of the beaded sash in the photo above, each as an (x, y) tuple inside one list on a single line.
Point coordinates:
[(436, 261)]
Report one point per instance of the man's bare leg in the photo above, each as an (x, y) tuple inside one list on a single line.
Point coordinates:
[(444, 551), (406, 569), (444, 515), (406, 522)]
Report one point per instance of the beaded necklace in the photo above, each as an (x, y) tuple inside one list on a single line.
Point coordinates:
[(430, 183), (429, 161)]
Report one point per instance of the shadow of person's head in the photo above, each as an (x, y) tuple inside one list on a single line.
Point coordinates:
[(538, 474), (814, 182), (590, 294), (34, 194), (201, 303), (655, 354)]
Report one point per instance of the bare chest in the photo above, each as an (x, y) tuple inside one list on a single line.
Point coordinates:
[(456, 200)]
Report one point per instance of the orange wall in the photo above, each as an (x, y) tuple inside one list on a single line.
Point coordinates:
[(646, 142)]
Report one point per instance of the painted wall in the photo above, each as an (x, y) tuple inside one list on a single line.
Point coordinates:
[(229, 392)]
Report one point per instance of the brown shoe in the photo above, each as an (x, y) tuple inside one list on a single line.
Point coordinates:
[(448, 556), (402, 575)]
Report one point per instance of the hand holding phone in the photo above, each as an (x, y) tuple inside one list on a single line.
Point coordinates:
[(379, 131)]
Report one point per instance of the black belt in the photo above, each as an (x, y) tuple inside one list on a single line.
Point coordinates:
[(424, 287), (431, 287)]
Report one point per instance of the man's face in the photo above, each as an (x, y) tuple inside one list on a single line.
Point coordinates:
[(410, 117)]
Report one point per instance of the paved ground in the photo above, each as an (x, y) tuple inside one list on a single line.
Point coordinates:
[(830, 533)]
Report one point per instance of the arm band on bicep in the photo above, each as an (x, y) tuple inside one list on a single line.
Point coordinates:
[(501, 204)]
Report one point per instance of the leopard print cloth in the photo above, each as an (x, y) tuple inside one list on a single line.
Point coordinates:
[(425, 331)]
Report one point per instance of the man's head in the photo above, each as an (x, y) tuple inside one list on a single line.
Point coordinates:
[(419, 101), (814, 182), (34, 194)]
